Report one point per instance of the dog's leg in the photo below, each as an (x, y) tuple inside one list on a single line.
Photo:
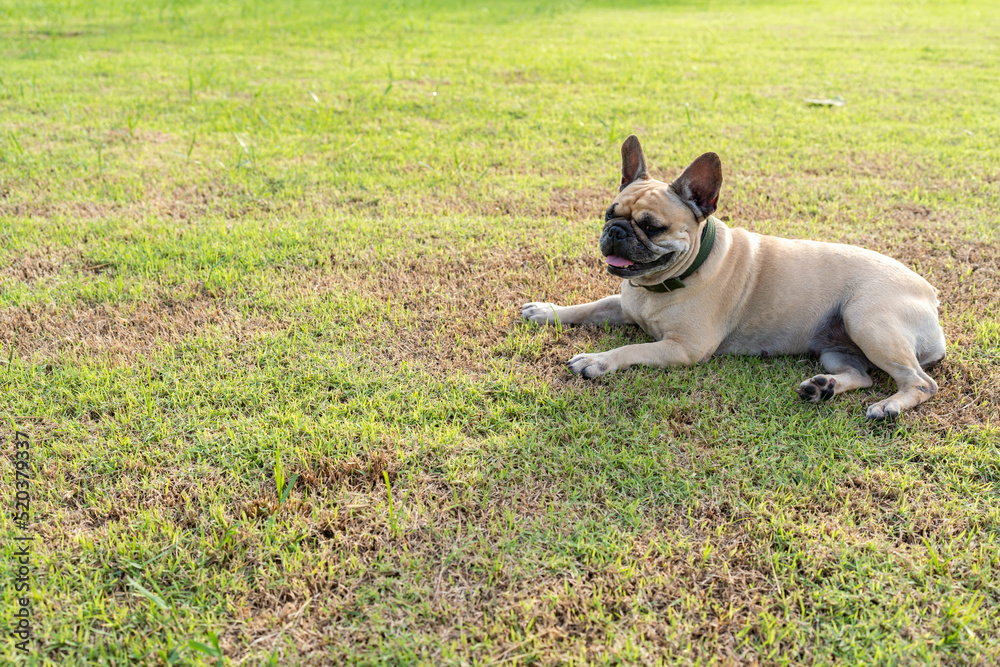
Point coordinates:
[(662, 354), (605, 311), (848, 372), (885, 338), (915, 386)]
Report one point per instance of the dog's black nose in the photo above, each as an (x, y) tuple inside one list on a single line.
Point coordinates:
[(614, 237), (616, 233)]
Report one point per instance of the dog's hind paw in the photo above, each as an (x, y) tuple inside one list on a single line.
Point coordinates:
[(887, 409), (817, 388), (591, 366)]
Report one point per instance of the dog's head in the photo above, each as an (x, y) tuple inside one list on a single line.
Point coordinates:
[(652, 225)]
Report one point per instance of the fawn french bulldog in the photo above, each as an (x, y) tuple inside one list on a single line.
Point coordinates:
[(702, 289)]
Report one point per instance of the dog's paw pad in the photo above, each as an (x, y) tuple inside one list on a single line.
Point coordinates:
[(887, 409), (818, 388), (589, 366), (539, 312)]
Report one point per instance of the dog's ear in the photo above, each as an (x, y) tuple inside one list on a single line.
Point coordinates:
[(633, 162), (700, 183)]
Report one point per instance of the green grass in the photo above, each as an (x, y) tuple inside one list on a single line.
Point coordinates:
[(260, 270)]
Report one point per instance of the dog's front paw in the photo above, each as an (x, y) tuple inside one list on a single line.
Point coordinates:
[(539, 312), (887, 409), (592, 366)]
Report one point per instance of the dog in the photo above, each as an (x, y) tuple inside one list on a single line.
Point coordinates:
[(702, 289)]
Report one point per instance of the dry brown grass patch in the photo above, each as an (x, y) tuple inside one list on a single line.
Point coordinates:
[(124, 331), (352, 473), (42, 262), (448, 308), (672, 599), (182, 203)]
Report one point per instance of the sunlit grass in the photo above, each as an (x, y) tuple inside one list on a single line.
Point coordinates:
[(260, 272)]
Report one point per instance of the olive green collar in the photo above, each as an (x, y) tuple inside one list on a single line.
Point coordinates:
[(707, 241)]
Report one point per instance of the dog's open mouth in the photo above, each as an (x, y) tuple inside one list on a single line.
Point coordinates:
[(626, 268)]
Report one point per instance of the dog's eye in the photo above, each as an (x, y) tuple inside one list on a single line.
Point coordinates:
[(648, 225), (652, 230)]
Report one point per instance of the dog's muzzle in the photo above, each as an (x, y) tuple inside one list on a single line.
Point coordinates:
[(626, 254), (619, 239)]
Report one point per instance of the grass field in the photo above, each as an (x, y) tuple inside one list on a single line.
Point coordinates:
[(260, 276)]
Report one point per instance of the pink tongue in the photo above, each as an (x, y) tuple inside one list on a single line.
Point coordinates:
[(620, 262)]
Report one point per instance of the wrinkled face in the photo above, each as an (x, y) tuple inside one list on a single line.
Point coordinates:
[(647, 229), (651, 225)]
